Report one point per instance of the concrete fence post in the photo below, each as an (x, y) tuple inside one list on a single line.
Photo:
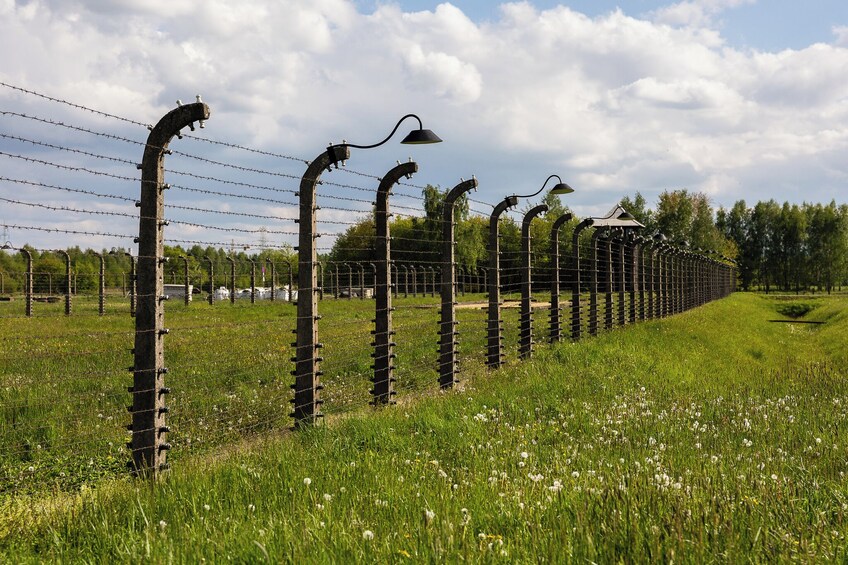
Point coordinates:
[(494, 333), (232, 280), (67, 281), (576, 315), (608, 281), (307, 375), (556, 309), (28, 282), (186, 291), (211, 280), (632, 262), (593, 285), (273, 273), (101, 283), (148, 445), (252, 281), (525, 333), (383, 344), (133, 284), (448, 342), (621, 237)]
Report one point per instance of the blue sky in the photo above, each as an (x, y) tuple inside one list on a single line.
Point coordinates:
[(769, 25), (738, 99)]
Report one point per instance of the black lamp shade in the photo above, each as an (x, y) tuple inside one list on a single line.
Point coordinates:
[(421, 137), (562, 188)]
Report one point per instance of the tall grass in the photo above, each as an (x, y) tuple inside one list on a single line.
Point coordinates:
[(711, 436)]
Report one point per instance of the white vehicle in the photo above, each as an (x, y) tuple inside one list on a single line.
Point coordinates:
[(222, 293)]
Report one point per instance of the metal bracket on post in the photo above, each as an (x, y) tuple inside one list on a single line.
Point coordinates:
[(307, 385), (148, 445), (384, 355), (556, 309), (448, 354), (525, 334), (494, 331)]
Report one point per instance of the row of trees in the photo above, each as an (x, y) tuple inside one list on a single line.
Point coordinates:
[(789, 247)]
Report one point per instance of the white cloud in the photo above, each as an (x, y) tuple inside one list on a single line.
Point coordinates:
[(695, 13), (614, 102)]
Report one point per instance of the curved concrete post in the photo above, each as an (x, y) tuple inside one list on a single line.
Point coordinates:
[(273, 273), (186, 293), (232, 280), (384, 355), (448, 342), (556, 309), (576, 321), (67, 257), (621, 263), (211, 280), (494, 346), (414, 280), (148, 445), (28, 281), (405, 280), (525, 332), (307, 384), (593, 285)]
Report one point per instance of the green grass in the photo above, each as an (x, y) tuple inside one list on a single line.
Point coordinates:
[(711, 436)]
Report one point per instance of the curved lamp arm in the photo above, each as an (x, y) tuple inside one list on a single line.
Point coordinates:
[(559, 188), (419, 136)]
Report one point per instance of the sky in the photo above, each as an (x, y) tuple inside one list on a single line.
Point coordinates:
[(738, 99)]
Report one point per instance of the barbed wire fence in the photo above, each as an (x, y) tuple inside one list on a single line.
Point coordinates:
[(239, 253)]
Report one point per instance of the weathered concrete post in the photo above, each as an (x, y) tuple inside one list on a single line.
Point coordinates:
[(556, 309), (494, 334), (576, 316), (252, 281), (148, 445), (273, 274), (187, 293), (525, 333), (133, 284), (448, 354), (67, 281), (307, 384), (211, 280), (28, 280), (232, 280), (593, 285), (101, 284), (384, 354)]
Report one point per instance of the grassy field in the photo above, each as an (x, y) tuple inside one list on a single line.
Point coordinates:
[(715, 435)]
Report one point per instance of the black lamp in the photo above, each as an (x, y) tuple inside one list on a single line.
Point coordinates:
[(559, 188), (418, 136)]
